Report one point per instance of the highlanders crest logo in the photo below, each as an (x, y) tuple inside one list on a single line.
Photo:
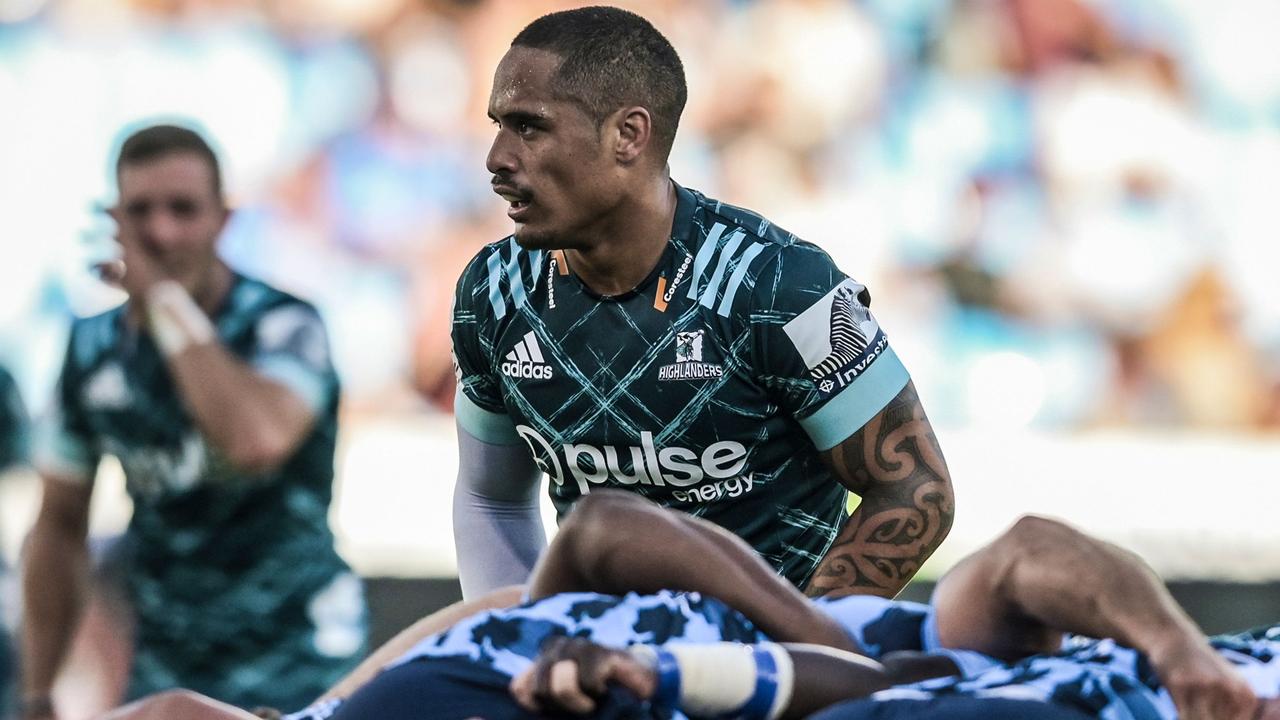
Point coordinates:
[(689, 364), (689, 347)]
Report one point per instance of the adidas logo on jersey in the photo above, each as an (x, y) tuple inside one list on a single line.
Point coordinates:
[(525, 360)]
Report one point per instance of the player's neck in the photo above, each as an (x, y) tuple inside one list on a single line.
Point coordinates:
[(630, 245)]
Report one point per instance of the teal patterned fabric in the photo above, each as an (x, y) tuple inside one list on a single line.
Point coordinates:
[(15, 428), (710, 388), (14, 434), (236, 585)]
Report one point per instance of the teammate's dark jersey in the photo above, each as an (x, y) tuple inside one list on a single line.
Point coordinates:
[(237, 588), (13, 452), (710, 388), (14, 430)]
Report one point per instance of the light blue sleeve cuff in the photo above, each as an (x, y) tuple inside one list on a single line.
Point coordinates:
[(862, 400), (489, 427), (301, 379)]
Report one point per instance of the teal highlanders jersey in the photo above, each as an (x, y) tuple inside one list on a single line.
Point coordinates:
[(13, 423), (710, 388), (237, 588), (13, 452)]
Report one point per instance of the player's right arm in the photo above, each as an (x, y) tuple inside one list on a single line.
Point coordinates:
[(54, 581), (56, 560), (497, 526), (1016, 596)]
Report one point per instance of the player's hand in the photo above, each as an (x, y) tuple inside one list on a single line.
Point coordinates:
[(110, 272), (135, 271), (571, 674), (1202, 684)]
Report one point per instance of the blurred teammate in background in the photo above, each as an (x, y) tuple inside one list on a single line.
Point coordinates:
[(633, 333), (216, 393), (14, 446)]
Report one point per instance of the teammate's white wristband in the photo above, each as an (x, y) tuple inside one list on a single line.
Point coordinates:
[(751, 682), (175, 320)]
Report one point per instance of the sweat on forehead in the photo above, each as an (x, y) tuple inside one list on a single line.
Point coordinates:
[(526, 84)]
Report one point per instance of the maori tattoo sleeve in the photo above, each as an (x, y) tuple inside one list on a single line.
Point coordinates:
[(895, 464)]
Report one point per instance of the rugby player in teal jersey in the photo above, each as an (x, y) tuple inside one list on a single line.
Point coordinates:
[(14, 444), (216, 393), (636, 334)]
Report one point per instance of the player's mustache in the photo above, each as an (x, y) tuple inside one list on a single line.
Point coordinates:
[(504, 183)]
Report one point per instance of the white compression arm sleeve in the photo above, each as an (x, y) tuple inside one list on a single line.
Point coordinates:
[(497, 527)]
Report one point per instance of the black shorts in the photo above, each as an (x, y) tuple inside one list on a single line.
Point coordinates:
[(950, 707), (459, 689)]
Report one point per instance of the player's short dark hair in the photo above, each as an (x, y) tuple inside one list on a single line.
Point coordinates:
[(158, 141), (611, 58)]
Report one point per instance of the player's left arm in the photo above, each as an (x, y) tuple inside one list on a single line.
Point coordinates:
[(895, 465), (822, 355)]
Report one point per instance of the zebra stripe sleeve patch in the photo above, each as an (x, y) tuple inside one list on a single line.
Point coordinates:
[(836, 332)]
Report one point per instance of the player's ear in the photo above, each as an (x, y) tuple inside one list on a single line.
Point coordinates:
[(635, 131), (226, 218)]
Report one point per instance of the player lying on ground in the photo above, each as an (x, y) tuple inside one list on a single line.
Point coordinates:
[(1008, 601)]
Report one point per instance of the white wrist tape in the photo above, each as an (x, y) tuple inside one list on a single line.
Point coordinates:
[(732, 680), (175, 320)]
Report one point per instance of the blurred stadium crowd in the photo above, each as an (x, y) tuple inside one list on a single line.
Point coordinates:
[(1066, 210), (1069, 204)]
